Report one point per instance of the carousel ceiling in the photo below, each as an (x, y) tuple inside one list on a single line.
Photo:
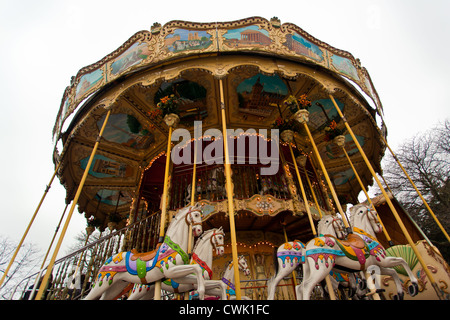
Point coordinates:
[(260, 63)]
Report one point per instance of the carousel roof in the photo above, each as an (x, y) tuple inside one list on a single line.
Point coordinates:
[(261, 62)]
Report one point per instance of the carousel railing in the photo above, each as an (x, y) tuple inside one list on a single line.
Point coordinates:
[(73, 274), (247, 181)]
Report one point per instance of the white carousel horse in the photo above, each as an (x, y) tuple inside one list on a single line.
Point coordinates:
[(291, 254), (202, 254), (228, 277), (168, 261), (213, 178), (358, 252)]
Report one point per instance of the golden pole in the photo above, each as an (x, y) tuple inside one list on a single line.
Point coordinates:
[(312, 191), (305, 200), (311, 221), (389, 202), (47, 253), (194, 177), (29, 224), (74, 203), (415, 188), (327, 177), (162, 224), (391, 243), (229, 189), (294, 276)]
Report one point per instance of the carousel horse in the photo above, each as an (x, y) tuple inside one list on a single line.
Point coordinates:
[(213, 184), (291, 254), (358, 252), (168, 261), (228, 277), (202, 254)]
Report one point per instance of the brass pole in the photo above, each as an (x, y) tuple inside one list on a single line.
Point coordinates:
[(327, 178), (229, 189), (74, 203), (305, 200), (162, 224), (48, 251), (194, 178), (312, 192), (311, 222), (294, 276), (415, 188), (389, 202), (19, 246), (391, 243)]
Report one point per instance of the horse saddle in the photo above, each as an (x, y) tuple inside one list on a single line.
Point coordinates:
[(353, 241), (144, 256)]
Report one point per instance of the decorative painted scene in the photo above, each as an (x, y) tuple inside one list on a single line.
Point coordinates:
[(247, 36), (185, 40)]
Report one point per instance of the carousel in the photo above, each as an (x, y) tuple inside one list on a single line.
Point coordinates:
[(224, 160)]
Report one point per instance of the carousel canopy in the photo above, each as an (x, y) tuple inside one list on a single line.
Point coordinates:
[(261, 64)]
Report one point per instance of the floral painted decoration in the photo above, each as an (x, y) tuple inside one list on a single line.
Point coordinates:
[(168, 104), (294, 104), (282, 124), (332, 131)]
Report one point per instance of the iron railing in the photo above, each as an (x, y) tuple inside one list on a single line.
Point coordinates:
[(73, 274)]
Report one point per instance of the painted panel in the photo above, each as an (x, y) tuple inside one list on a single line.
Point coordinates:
[(302, 46), (345, 66), (131, 57), (343, 177), (126, 130), (104, 167), (186, 40), (247, 36), (110, 197), (88, 81), (322, 111), (260, 94)]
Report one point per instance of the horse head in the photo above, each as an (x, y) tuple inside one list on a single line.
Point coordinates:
[(193, 217), (243, 266), (332, 225), (218, 240), (366, 218)]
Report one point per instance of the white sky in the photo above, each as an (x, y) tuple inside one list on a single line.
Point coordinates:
[(403, 44)]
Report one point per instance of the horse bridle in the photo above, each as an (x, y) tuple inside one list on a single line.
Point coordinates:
[(337, 225), (188, 215), (372, 217), (214, 240), (241, 266)]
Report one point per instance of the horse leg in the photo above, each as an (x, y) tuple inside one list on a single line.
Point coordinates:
[(149, 294), (114, 290), (390, 262), (273, 282), (181, 274), (140, 292), (96, 292), (396, 278), (216, 288), (316, 275)]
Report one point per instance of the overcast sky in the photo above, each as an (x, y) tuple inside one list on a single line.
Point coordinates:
[(403, 44)]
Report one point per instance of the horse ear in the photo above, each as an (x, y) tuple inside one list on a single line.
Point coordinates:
[(353, 209)]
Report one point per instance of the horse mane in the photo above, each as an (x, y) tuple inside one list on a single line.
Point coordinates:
[(201, 237), (176, 219)]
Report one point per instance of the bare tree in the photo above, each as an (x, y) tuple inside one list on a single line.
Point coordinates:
[(25, 264), (426, 158)]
